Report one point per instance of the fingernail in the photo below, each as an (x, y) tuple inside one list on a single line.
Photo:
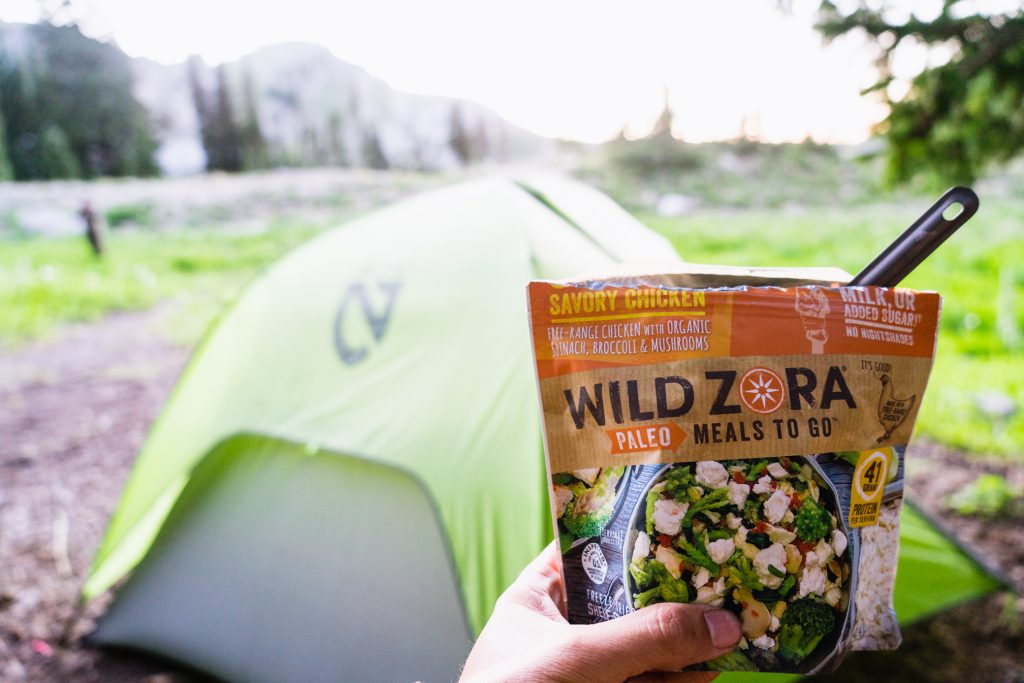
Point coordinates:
[(723, 627)]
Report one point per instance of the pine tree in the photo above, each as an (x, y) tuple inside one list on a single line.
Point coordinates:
[(373, 153), (254, 145), (666, 119), (227, 138), (459, 138), (6, 169), (956, 118), (56, 156), (481, 141), (220, 133), (19, 103), (336, 139), (202, 106), (85, 89)]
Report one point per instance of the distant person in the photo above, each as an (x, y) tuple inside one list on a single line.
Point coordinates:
[(93, 228)]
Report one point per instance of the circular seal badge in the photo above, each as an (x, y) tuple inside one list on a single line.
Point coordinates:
[(594, 563), (762, 390), (870, 475)]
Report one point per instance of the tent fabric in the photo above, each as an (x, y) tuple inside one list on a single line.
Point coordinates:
[(402, 335), (933, 572), (273, 547)]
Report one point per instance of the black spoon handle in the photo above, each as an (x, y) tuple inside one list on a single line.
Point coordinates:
[(919, 240)]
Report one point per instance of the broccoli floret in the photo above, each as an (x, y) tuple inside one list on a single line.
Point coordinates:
[(675, 590), (652, 498), (716, 499), (804, 623), (642, 572), (812, 521), (697, 554), (752, 511), (733, 661), (667, 588), (741, 568), (588, 524), (678, 480), (756, 470), (647, 597), (591, 508)]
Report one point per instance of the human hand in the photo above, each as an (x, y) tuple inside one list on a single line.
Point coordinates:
[(528, 639)]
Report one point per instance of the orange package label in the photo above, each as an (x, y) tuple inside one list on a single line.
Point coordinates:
[(633, 375)]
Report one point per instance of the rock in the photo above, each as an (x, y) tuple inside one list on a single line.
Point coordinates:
[(995, 404), (673, 205)]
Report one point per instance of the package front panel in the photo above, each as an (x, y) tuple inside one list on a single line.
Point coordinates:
[(738, 447)]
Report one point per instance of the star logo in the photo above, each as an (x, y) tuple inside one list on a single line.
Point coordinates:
[(762, 390)]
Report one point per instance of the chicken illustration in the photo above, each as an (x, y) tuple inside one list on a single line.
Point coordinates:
[(892, 411)]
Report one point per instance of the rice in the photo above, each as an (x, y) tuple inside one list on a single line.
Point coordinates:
[(875, 626)]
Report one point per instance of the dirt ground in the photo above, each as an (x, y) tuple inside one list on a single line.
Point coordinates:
[(75, 409)]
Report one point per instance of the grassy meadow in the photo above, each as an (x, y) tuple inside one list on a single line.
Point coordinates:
[(47, 282)]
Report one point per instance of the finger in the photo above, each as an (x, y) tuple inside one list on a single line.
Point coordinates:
[(677, 677), (665, 637), (539, 585)]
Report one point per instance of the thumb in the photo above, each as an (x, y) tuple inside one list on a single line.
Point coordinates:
[(665, 637)]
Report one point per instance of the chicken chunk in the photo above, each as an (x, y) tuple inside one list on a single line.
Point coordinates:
[(668, 516), (563, 496), (641, 547), (772, 556), (712, 474), (763, 485), (671, 559), (838, 542), (721, 550), (776, 506), (738, 493), (588, 475)]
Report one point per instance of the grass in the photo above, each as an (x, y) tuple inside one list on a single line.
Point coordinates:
[(47, 282), (979, 272)]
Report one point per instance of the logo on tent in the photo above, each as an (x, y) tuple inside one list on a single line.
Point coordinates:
[(350, 340)]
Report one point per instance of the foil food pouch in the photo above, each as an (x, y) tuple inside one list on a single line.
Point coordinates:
[(733, 437)]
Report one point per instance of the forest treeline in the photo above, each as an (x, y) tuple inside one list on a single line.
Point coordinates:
[(68, 110)]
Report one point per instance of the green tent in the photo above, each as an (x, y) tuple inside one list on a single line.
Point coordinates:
[(350, 470)]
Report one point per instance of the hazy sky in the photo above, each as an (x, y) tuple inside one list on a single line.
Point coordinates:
[(571, 68)]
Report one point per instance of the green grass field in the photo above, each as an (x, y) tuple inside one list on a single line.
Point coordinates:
[(46, 282), (980, 272)]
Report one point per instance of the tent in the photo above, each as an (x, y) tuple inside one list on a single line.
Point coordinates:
[(350, 470)]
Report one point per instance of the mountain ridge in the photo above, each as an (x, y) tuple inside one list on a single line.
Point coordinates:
[(315, 108)]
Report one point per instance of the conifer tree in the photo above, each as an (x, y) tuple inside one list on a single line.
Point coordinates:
[(6, 169), (373, 153), (226, 135), (56, 157), (956, 117), (254, 145), (459, 137)]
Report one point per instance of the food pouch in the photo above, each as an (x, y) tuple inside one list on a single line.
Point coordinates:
[(733, 437)]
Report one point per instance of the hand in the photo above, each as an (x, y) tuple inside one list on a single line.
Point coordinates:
[(528, 638)]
